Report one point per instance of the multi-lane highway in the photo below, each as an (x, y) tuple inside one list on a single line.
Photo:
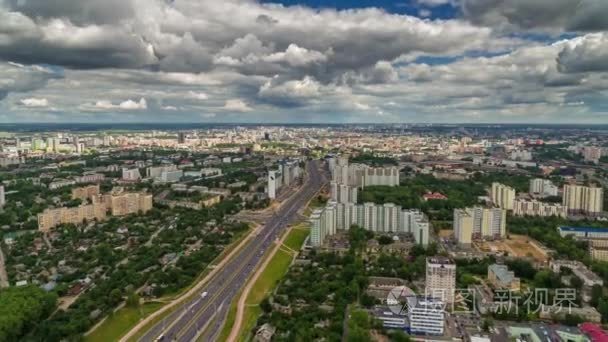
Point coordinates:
[(202, 317)]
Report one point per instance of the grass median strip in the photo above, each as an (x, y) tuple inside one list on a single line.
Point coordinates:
[(270, 277), (120, 322)]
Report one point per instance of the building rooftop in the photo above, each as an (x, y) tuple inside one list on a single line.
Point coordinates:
[(502, 273), (584, 229), (439, 260)]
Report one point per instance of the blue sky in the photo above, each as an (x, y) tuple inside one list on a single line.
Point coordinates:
[(304, 61), (408, 7)]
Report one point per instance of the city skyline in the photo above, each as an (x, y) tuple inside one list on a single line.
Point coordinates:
[(415, 61)]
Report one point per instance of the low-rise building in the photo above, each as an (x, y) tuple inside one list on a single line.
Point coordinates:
[(502, 278), (390, 319), (551, 312), (426, 315), (579, 269), (60, 183), (584, 233)]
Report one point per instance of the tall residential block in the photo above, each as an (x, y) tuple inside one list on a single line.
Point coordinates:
[(535, 208), (479, 222), (463, 226), (129, 203), (85, 192), (361, 175), (543, 187), (440, 279), (380, 218), (272, 184), (502, 196), (343, 193), (51, 218), (587, 200)]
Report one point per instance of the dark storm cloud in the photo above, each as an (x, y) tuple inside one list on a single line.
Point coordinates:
[(19, 78), (188, 36), (552, 15), (81, 12), (588, 55)]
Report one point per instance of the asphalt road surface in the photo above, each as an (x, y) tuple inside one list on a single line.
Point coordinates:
[(202, 317)]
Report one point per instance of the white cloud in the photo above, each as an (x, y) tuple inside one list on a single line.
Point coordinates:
[(125, 105), (197, 95), (34, 102), (236, 105), (297, 56)]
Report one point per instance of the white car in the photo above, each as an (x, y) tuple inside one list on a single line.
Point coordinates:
[(204, 294)]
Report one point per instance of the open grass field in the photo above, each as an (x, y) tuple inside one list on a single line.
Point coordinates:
[(297, 236), (518, 246), (116, 325)]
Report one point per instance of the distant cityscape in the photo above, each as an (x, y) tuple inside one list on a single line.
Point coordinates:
[(425, 232)]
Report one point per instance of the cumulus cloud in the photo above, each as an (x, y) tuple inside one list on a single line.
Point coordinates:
[(34, 102), (551, 15), (297, 56), (204, 56), (290, 93), (237, 105), (15, 77), (197, 95), (587, 54), (192, 35), (125, 105)]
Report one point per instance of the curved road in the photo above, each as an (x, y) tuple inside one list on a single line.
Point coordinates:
[(202, 317)]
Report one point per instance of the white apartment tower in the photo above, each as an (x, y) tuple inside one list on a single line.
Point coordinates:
[(2, 196), (272, 184), (502, 196), (581, 199), (543, 187), (463, 226)]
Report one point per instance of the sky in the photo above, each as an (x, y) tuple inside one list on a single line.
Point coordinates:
[(304, 61)]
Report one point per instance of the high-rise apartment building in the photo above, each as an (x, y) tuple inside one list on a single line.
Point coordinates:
[(288, 172), (543, 187), (85, 192), (157, 171), (361, 175), (51, 218), (524, 207), (502, 196), (322, 224), (463, 226), (343, 193), (272, 184), (592, 154), (381, 218), (130, 174), (479, 222), (128, 203), (181, 138), (440, 279), (587, 200)]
